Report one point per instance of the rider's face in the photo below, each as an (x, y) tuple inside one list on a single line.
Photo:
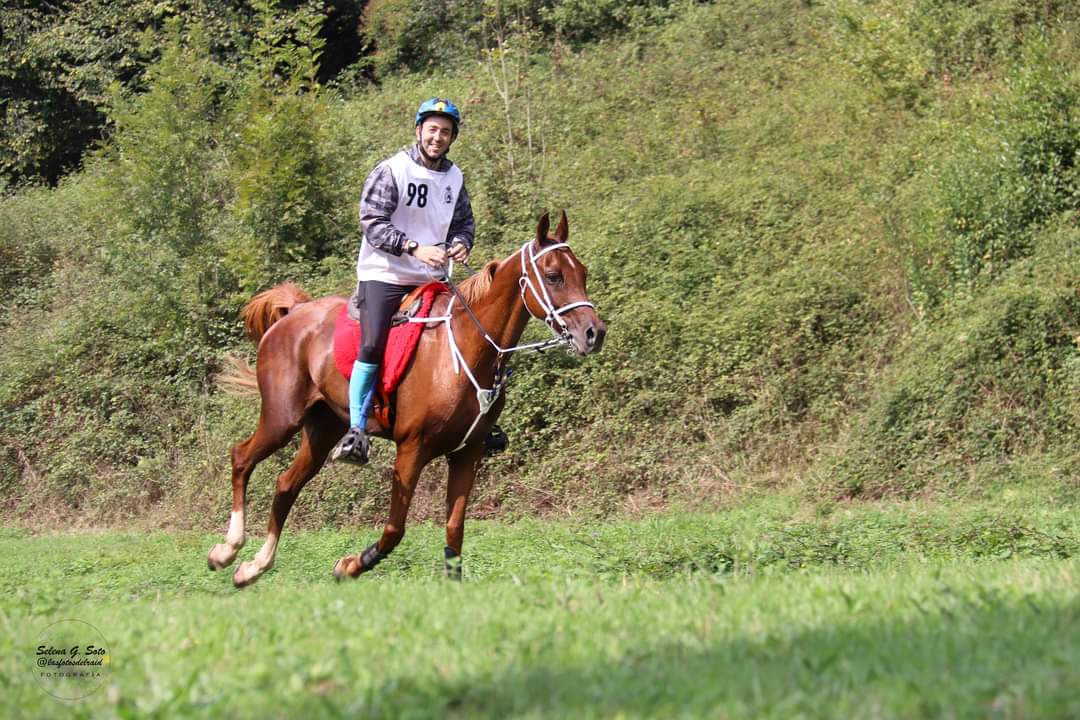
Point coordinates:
[(435, 135)]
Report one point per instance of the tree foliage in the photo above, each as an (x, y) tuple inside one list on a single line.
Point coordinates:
[(58, 61)]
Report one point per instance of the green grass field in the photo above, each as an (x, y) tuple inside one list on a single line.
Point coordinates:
[(895, 612)]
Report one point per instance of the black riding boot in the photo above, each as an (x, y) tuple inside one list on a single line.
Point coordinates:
[(496, 441)]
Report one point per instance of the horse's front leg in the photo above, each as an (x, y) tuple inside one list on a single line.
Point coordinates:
[(409, 462), (463, 467)]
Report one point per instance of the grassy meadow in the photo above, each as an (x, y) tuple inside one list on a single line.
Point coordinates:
[(872, 612)]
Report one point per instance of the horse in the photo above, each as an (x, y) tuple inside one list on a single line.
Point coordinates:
[(438, 410)]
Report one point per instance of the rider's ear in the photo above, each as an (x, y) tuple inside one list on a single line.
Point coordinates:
[(542, 230), (561, 231)]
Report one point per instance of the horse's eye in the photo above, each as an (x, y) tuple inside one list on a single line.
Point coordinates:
[(554, 277)]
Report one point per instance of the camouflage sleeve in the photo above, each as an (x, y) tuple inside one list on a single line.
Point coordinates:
[(462, 226), (378, 201)]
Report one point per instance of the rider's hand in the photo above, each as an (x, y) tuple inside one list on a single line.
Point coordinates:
[(459, 252), (431, 255)]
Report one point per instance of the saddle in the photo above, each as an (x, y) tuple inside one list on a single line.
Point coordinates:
[(400, 345)]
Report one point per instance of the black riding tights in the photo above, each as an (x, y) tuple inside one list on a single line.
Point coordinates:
[(376, 302)]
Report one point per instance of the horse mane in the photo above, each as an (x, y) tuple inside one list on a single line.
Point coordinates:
[(477, 285), (268, 307)]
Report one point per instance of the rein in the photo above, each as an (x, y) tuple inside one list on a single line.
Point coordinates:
[(486, 397)]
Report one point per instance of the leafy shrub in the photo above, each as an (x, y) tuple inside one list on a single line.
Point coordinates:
[(278, 168), (975, 391), (904, 48), (414, 34), (117, 373), (1005, 179), (422, 35), (59, 60), (964, 37), (26, 252)]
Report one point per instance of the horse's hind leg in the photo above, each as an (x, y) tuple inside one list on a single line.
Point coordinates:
[(270, 435), (322, 430), (463, 466)]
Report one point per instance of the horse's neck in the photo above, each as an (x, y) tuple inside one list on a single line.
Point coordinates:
[(501, 312)]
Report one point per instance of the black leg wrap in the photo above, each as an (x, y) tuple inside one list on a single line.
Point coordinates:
[(370, 557), (452, 564)]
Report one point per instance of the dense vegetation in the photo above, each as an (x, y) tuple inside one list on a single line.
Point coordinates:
[(835, 243)]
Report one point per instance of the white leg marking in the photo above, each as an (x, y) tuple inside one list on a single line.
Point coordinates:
[(250, 571), (265, 557), (235, 536), (224, 553)]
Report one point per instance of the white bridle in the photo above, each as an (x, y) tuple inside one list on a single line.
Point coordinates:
[(486, 397)]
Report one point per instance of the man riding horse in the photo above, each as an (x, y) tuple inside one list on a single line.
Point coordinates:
[(415, 214)]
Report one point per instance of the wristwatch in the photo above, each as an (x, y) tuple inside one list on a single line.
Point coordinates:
[(410, 247)]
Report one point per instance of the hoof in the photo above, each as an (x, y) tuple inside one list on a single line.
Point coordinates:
[(245, 575), (348, 566), (496, 441), (220, 556)]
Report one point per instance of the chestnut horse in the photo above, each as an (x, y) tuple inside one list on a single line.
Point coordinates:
[(437, 407)]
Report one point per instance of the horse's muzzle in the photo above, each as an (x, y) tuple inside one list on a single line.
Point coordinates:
[(590, 338)]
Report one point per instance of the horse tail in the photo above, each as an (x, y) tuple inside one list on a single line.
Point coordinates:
[(268, 307), (262, 311), (238, 377)]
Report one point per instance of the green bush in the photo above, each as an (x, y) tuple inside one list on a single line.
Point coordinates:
[(58, 61), (425, 36), (107, 383), (415, 34), (1008, 175), (907, 49), (972, 394), (278, 168), (27, 252)]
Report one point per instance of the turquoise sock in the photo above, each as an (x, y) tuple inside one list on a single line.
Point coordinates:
[(361, 388), (368, 399)]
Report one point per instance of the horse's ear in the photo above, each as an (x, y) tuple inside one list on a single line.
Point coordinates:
[(542, 230), (561, 231)]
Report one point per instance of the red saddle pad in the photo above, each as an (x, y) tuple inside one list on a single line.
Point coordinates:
[(400, 344)]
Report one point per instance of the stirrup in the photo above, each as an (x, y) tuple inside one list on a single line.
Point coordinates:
[(353, 448), (496, 441)]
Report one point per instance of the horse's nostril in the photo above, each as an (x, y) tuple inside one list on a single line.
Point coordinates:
[(590, 336)]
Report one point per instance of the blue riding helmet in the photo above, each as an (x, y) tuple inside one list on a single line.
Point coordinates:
[(439, 106)]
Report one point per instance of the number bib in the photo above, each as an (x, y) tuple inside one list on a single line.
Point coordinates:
[(425, 209)]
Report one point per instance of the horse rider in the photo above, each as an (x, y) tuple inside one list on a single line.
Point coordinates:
[(415, 215)]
